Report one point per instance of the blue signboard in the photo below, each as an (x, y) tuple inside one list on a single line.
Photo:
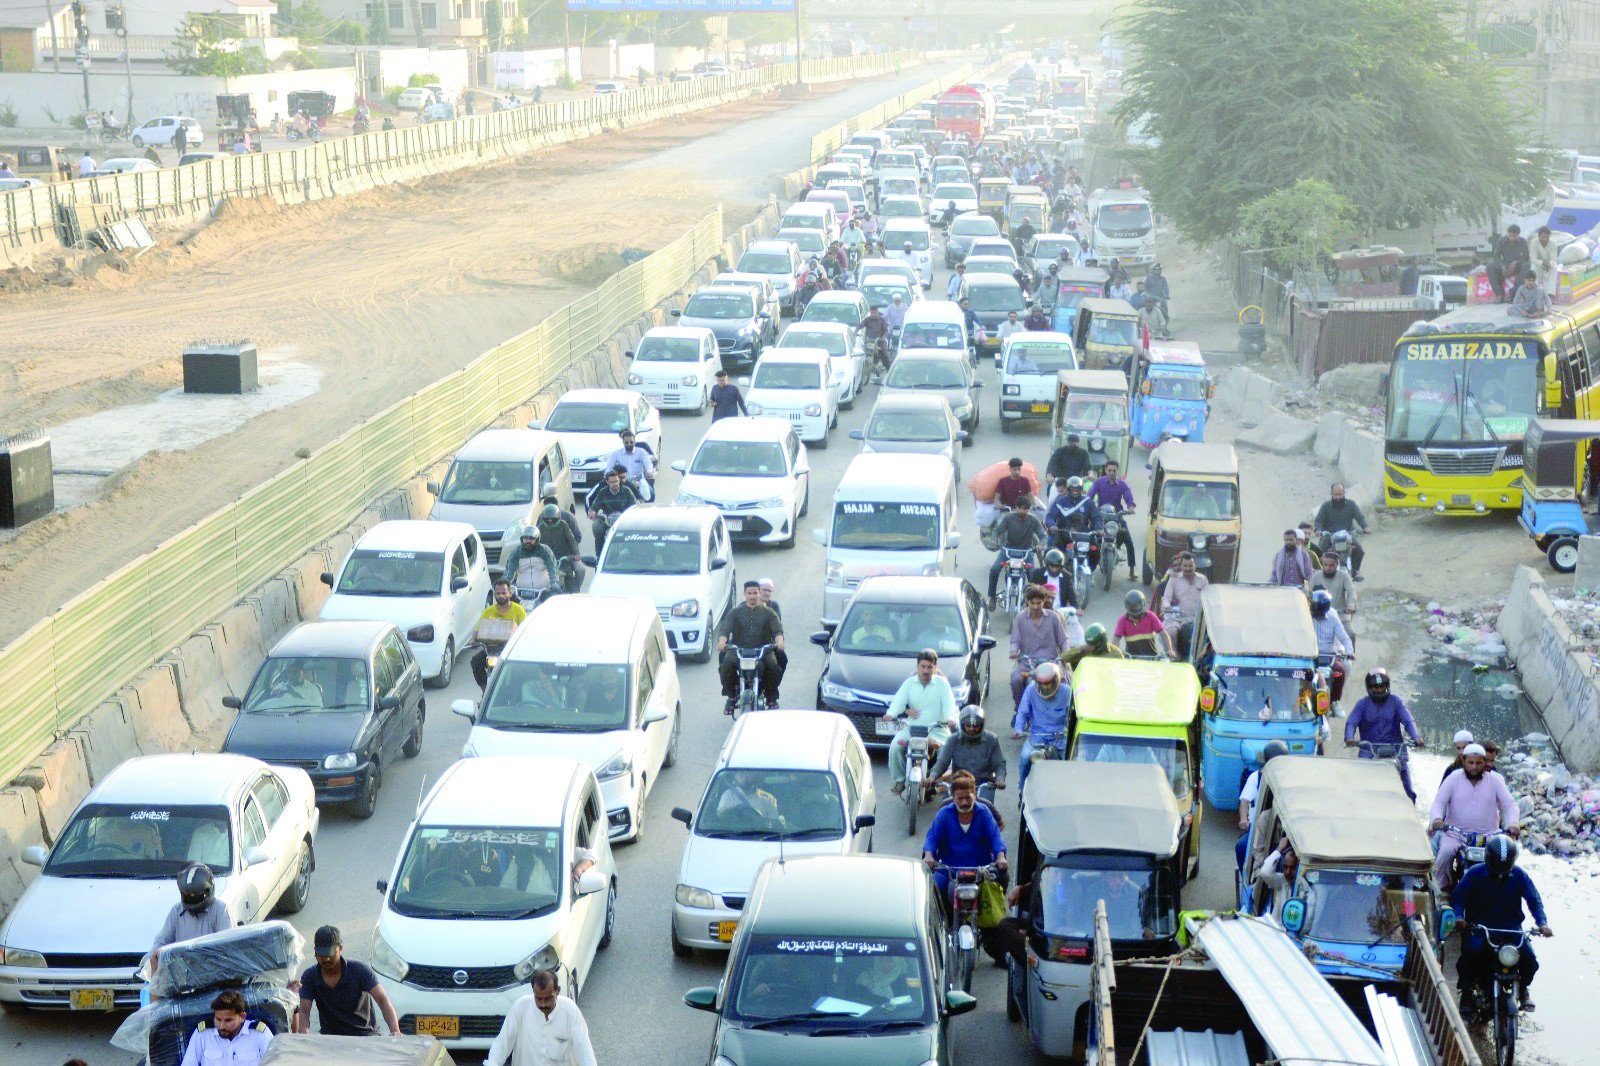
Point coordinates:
[(683, 7)]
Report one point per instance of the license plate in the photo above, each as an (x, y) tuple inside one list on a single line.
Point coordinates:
[(580, 479), (442, 1026), (735, 524), (887, 729), (725, 931), (1040, 408), (92, 999), (1461, 501)]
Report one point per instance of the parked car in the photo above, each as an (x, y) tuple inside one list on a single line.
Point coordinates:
[(124, 165), (13, 184), (162, 130), (609, 88), (589, 422), (756, 472), (417, 97)]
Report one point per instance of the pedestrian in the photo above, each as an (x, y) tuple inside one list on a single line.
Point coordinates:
[(229, 1037), (543, 1029), (5, 169), (467, 104), (1292, 565), (726, 399), (86, 164), (339, 987), (180, 139)]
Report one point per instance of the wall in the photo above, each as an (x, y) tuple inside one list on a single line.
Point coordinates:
[(617, 60), (1563, 683), (669, 59), (386, 66), (269, 93), (537, 67), (46, 99)]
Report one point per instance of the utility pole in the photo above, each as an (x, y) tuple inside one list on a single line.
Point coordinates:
[(55, 45), (127, 61), (81, 20), (799, 77)]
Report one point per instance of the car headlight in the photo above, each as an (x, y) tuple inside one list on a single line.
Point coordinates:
[(755, 408), (344, 760), (1509, 955), (420, 634), (686, 609), (830, 691), (686, 500), (812, 410), (21, 957), (699, 898), (468, 751), (961, 692), (546, 958), (930, 570), (723, 1060), (385, 960), (619, 764), (834, 575), (1011, 390), (690, 380), (635, 379), (770, 501)]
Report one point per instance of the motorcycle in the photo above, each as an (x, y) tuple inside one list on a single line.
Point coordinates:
[(965, 890), (1083, 545), (1331, 671), (1339, 543), (1014, 578), (607, 520), (1468, 855), (1500, 1003), (750, 696), (1110, 553), (919, 760), (1053, 748), (312, 133), (361, 126), (531, 598)]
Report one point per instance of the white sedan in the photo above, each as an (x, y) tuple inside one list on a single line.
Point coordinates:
[(76, 938)]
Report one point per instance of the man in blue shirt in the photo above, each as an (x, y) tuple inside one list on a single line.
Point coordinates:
[(1042, 714), (1492, 894), (1110, 490), (962, 834), (1383, 718)]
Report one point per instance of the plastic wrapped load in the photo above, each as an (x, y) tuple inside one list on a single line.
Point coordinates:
[(984, 481), (161, 1031), (306, 1049), (266, 953), (1577, 251)]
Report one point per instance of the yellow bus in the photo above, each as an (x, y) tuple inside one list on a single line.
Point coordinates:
[(1462, 388)]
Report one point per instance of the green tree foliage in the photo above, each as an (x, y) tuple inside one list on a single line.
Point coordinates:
[(207, 47), (1296, 227), (1377, 98)]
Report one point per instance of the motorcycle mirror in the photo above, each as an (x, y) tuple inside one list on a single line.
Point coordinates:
[(588, 560), (1294, 916)]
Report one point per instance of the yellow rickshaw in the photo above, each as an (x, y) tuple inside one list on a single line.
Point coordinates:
[(1195, 507), (1107, 333)]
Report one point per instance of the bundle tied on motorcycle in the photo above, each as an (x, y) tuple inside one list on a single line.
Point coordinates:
[(983, 487)]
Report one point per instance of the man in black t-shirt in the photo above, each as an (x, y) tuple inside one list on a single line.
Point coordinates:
[(337, 986)]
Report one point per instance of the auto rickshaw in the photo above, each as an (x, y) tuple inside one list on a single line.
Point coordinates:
[(1094, 405), (992, 197), (1140, 712), (1256, 654), (1107, 333), (1361, 865), (1073, 286), (1090, 832), (1034, 209), (1194, 506), (1171, 393), (1553, 456)]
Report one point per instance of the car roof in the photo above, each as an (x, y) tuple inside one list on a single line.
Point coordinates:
[(580, 627), (906, 224), (992, 281), (795, 354), (685, 332), (1038, 336), (838, 296), (902, 198), (493, 790), (1187, 457), (506, 444), (935, 310), (748, 427), (622, 396), (1135, 691), (898, 279), (932, 355), (798, 740), (910, 588), (1089, 806), (812, 327), (910, 401), (903, 469), (409, 534), (667, 517), (888, 896), (768, 246), (180, 779), (330, 639)]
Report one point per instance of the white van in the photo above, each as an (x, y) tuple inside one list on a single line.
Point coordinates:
[(937, 324), (892, 514), (499, 480), (813, 216), (1029, 361), (675, 367), (898, 232), (815, 768), (588, 678)]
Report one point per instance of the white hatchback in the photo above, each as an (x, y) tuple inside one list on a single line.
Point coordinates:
[(756, 472), (959, 193), (795, 384), (588, 422), (846, 357), (431, 579), (680, 559), (675, 367), (162, 131)]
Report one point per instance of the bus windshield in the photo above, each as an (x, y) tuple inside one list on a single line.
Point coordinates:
[(1453, 398), (960, 109)]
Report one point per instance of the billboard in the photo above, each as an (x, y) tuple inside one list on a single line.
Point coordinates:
[(683, 7)]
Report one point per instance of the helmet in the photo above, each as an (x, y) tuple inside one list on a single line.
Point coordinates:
[(1272, 749), (1378, 678), (530, 533), (1054, 557), (971, 715), (196, 887), (1134, 602), (550, 513), (1320, 602), (1074, 484), (1047, 673), (1500, 855)]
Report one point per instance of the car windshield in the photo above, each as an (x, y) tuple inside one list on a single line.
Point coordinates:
[(831, 341), (879, 294), (767, 804), (946, 176), (765, 263), (588, 418), (932, 335), (294, 684), (1167, 385), (896, 239), (832, 311), (995, 297), (959, 190), (1123, 220), (1139, 902), (667, 350), (1052, 247), (917, 426), (392, 573), (901, 630), (1362, 907), (1199, 501), (1439, 397), (1095, 412), (1106, 330), (807, 240), (886, 526), (1170, 754), (476, 872), (827, 985), (910, 373), (898, 187), (142, 841), (1040, 358), (1034, 213), (982, 226), (483, 481), (787, 376), (557, 697), (739, 458), (989, 264), (1264, 694), (900, 208), (722, 306), (640, 551)]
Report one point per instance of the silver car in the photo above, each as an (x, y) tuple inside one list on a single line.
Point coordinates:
[(963, 231), (911, 422), (937, 372)]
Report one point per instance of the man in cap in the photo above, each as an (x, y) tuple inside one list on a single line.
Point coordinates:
[(1474, 801), (340, 987)]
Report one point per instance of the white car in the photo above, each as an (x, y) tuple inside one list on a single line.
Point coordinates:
[(680, 559), (162, 130), (124, 165), (589, 421), (899, 183), (1029, 362), (982, 246), (430, 579), (756, 472), (609, 88), (900, 207), (417, 97), (485, 893), (76, 938), (847, 358), (881, 289), (675, 367), (962, 194), (795, 384), (898, 232), (896, 266), (810, 242), (13, 184)]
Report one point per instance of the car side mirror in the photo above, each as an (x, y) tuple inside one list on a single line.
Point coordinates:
[(683, 815), (962, 436), (590, 882), (706, 999), (388, 703), (856, 434), (977, 384), (1294, 916), (675, 314), (35, 854), (821, 639), (535, 423), (465, 708), (820, 536), (652, 716), (680, 466), (256, 856), (232, 702), (327, 578), (433, 487), (628, 353), (986, 643), (865, 821), (457, 584), (959, 1002), (588, 560), (719, 564), (383, 886)]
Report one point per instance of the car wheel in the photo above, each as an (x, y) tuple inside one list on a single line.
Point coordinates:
[(447, 666), (413, 745), (680, 950), (638, 811), (137, 141), (611, 915), (367, 802), (671, 757), (704, 654), (1005, 425), (805, 499), (294, 898)]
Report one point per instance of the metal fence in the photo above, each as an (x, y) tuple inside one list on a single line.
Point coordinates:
[(1326, 338), (69, 663)]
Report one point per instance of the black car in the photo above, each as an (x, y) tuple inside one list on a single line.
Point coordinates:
[(340, 700), (732, 313), (873, 649)]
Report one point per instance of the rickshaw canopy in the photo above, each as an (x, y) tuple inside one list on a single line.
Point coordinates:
[(1346, 811), (1091, 381), (1260, 620), (1134, 692), (1175, 353), (1213, 460), (1085, 806), (1551, 449), (1102, 307)]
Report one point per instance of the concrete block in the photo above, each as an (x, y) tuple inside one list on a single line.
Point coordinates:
[(1230, 391), (1360, 383), (305, 578), (1561, 681), (19, 828), (1587, 576), (338, 548), (1260, 395), (201, 686), (1361, 465), (60, 776), (158, 718), (1280, 434), (1330, 427), (107, 736)]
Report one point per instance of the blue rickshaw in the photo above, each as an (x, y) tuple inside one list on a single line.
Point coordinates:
[(1554, 451), (1256, 654), (1171, 393), (1073, 285)]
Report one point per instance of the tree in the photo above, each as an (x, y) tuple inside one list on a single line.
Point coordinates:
[(492, 23), (204, 48), (1295, 228), (1377, 98)]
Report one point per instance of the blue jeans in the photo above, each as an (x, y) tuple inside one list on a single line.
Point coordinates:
[(1241, 847)]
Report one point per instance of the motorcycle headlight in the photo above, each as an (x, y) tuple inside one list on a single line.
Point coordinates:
[(690, 380), (755, 408), (546, 958), (830, 691), (386, 961), (344, 760), (619, 764), (834, 575), (1509, 956), (1012, 390), (686, 609), (770, 501), (699, 898), (1097, 445), (635, 379), (21, 957), (812, 410)]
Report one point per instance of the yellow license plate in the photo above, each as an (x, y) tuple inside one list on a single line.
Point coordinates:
[(92, 999), (725, 931), (444, 1027), (1041, 408)]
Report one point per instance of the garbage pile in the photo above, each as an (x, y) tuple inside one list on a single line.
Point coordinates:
[(1560, 809), (1464, 633), (1581, 613)]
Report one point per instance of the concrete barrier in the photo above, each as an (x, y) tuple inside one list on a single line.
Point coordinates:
[(1557, 674), (1361, 465)]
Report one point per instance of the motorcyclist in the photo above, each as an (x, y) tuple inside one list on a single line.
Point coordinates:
[(907, 255), (1341, 515), (1249, 792), (1018, 530), (1073, 512), (1038, 635), (605, 501), (1070, 460), (1474, 801), (948, 215), (924, 698), (197, 912), (1111, 490), (1381, 717), (1338, 583), (970, 318), (1140, 630), (895, 314), (1023, 235), (1096, 645), (1024, 283), (495, 626), (1044, 715), (1333, 640), (752, 624), (1055, 573), (529, 565), (557, 534), (875, 328), (854, 237), (638, 465), (1159, 290), (1049, 293), (1492, 894), (1037, 321), (963, 834), (975, 750)]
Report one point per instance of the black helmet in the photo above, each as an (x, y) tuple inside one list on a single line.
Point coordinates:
[(1320, 602), (1134, 602), (196, 887), (1378, 678), (1272, 749), (1054, 557), (1500, 855)]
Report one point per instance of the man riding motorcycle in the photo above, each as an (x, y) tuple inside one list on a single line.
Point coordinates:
[(975, 750), (1044, 716), (1341, 515), (875, 329), (558, 535), (638, 465), (1383, 718), (1474, 800), (1333, 641), (1111, 490), (1140, 630), (1017, 530), (1055, 573), (1038, 635), (605, 501), (1492, 894), (1159, 290), (1037, 320), (1073, 512), (963, 834), (530, 566), (924, 698)]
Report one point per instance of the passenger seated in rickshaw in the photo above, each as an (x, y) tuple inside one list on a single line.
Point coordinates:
[(1195, 503), (1274, 879)]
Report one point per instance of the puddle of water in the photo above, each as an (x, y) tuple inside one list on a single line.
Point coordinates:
[(1451, 695)]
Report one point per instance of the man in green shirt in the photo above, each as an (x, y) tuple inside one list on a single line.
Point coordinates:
[(924, 699)]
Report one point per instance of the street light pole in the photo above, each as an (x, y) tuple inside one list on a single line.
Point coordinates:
[(81, 20), (799, 77)]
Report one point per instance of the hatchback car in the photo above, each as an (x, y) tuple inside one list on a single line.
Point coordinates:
[(993, 297), (844, 306), (675, 367), (81, 930), (777, 260), (913, 423), (162, 131), (874, 647), (756, 472), (900, 207), (881, 289), (937, 372), (961, 195), (963, 231), (588, 422), (810, 242), (681, 560), (796, 384), (339, 700), (734, 315), (430, 579), (848, 361)]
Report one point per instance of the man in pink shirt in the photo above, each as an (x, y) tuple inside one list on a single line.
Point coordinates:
[(1472, 798), (1140, 630)]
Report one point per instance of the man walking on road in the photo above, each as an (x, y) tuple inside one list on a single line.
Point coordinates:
[(726, 400), (544, 1029), (339, 987)]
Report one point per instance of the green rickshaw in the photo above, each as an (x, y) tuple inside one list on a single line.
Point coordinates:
[(1094, 405)]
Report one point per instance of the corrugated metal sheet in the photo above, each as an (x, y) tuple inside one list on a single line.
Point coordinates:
[(1181, 1048), (1299, 1015)]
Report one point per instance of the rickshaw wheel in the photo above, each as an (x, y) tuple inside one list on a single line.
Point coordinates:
[(1149, 575), (1563, 554)]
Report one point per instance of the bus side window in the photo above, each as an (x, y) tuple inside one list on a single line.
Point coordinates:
[(1590, 339)]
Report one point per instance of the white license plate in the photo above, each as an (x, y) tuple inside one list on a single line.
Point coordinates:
[(887, 729), (735, 523)]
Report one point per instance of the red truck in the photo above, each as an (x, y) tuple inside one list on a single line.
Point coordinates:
[(964, 109)]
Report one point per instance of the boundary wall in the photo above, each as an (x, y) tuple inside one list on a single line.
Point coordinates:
[(1558, 674)]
